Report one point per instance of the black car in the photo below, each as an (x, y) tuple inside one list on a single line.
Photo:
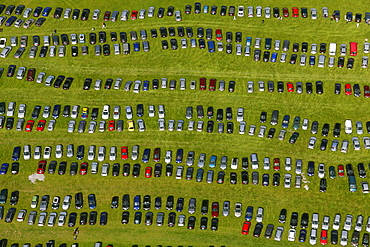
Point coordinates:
[(304, 47), (214, 224), (213, 10), (170, 11), (85, 14), (9, 123), (202, 43), (75, 14), (180, 203), (191, 222), (170, 202), (171, 31), (231, 86), (245, 177), (276, 179), (308, 87), (280, 86), (200, 32), (322, 47), (210, 126), (102, 37), (36, 112), (62, 168), (324, 144), (209, 33), (210, 112), (233, 178), (14, 197), (325, 130), (136, 170), (15, 168), (349, 169), (72, 219), (164, 44), (113, 36), (337, 88), (92, 37), (271, 133), (114, 203), (158, 203), (67, 84), (11, 70), (257, 55), (323, 185), (229, 48), (160, 12), (293, 59), (238, 37), (163, 32), (257, 230), (58, 13), (276, 12), (108, 83), (336, 131), (282, 216), (197, 8), (43, 51), (304, 220), (103, 218), (169, 170), (266, 56), (137, 218), (204, 208), (304, 12), (319, 87), (229, 114), (37, 12), (125, 217), (158, 170), (294, 220), (106, 50), (18, 10), (180, 31), (361, 170), (203, 223), (189, 32), (58, 82), (174, 44), (65, 39), (154, 33), (295, 47), (87, 84), (187, 9), (340, 62), (350, 63), (9, 10), (220, 177), (52, 167), (83, 218), (115, 170), (269, 231), (263, 117), (334, 237), (92, 217), (230, 127), (229, 37)]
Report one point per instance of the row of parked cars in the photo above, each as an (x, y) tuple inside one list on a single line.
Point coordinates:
[(312, 238)]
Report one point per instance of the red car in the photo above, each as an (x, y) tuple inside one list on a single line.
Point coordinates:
[(111, 125), (324, 237), (41, 125), (246, 226), (124, 153), (285, 12), (134, 15), (41, 167), (367, 91), (202, 83), (212, 85), (340, 171), (295, 12), (348, 89), (218, 34), (31, 75), (106, 15), (148, 172), (276, 164), (215, 209), (29, 125), (157, 155), (290, 87), (83, 168)]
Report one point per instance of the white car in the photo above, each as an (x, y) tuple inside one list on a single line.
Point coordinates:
[(315, 221), (150, 11), (348, 222), (40, 77), (250, 86), (66, 202), (368, 224), (62, 218), (105, 113), (21, 215), (71, 126), (151, 111), (161, 124), (178, 16), (74, 112), (305, 124), (344, 238), (47, 152), (242, 127), (336, 222), (161, 111), (37, 153), (240, 11), (51, 125), (113, 153), (46, 112), (116, 112), (234, 163), (325, 223), (70, 151), (311, 143), (287, 180), (359, 223), (104, 170), (91, 153), (168, 157), (202, 160), (259, 215), (279, 233), (291, 234), (128, 112), (95, 15), (240, 114), (356, 143), (359, 128), (171, 125), (58, 151), (142, 14), (101, 153), (266, 163), (252, 130), (21, 110), (262, 131), (2, 42), (238, 209), (26, 152), (313, 236), (366, 141), (321, 170)]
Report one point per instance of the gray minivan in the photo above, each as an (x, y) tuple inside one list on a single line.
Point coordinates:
[(274, 117), (97, 50)]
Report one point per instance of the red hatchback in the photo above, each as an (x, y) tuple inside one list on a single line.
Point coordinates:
[(348, 89), (157, 155), (276, 164), (246, 226), (124, 153), (134, 15), (218, 34), (340, 171), (106, 15), (111, 125), (41, 167), (215, 209), (290, 87), (29, 125), (83, 168), (212, 85), (367, 91), (202, 83), (41, 125), (148, 172), (295, 12), (324, 237), (285, 12)]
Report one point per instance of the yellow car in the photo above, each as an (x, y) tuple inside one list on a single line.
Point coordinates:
[(131, 126), (85, 113)]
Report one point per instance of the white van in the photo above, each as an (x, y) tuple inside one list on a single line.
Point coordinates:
[(46, 40), (116, 49), (11, 108), (101, 153), (117, 83), (254, 160), (332, 49), (94, 167), (179, 171), (321, 62), (105, 169), (126, 48), (61, 51), (348, 126)]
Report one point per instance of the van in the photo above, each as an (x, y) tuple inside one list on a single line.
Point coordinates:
[(52, 218), (353, 48), (321, 62), (117, 83), (61, 51), (344, 147), (5, 52), (11, 108), (211, 46), (254, 160), (274, 117), (352, 183), (210, 176), (286, 45), (143, 34), (94, 167), (247, 51), (126, 48), (179, 172), (124, 15), (42, 219), (20, 124), (116, 48), (348, 126), (332, 49), (46, 40), (298, 181), (98, 244), (268, 42), (172, 84), (212, 85)]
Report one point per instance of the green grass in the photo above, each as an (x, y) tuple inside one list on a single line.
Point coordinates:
[(190, 63)]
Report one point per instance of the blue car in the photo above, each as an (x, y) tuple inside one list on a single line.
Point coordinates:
[(311, 168), (285, 122), (179, 155), (146, 86), (56, 111), (16, 153), (92, 201), (312, 60), (302, 235), (137, 203), (46, 11), (10, 21), (211, 46), (4, 168), (146, 155), (249, 213), (136, 46), (80, 152), (248, 41), (212, 161), (274, 57)]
